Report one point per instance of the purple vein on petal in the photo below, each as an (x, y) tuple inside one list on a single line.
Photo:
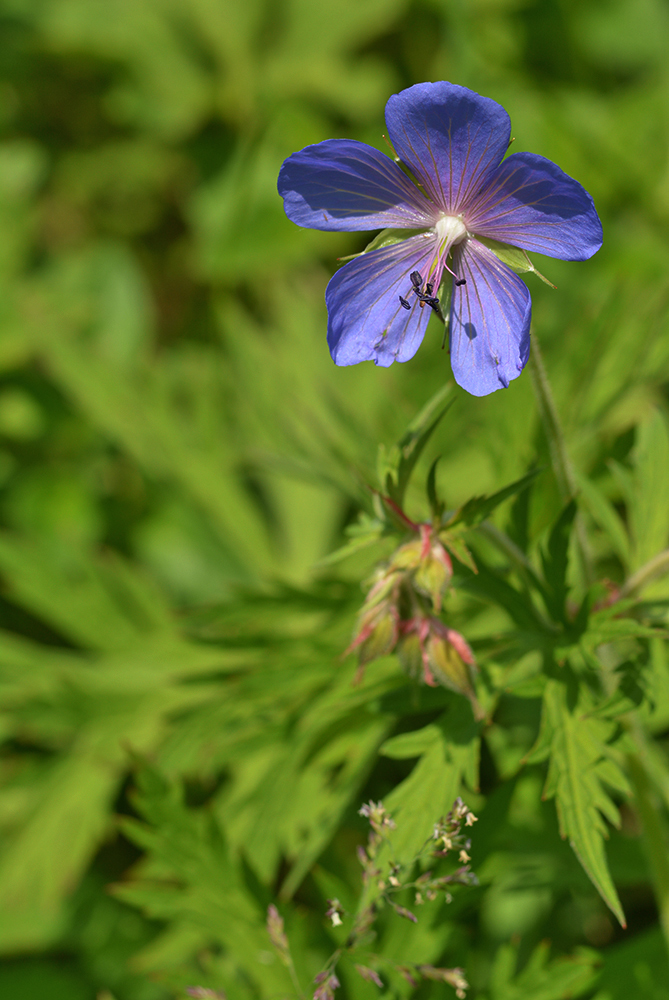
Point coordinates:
[(490, 318), (365, 318)]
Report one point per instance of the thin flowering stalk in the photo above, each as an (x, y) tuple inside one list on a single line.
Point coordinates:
[(452, 209), (279, 939)]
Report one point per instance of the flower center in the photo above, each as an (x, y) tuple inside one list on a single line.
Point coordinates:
[(450, 229)]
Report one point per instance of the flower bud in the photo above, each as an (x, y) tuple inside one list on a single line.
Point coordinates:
[(377, 633), (428, 563), (438, 654)]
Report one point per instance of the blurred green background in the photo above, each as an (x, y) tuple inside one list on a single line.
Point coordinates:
[(173, 432)]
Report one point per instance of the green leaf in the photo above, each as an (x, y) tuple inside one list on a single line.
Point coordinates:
[(580, 766), (478, 508), (555, 563), (649, 517), (605, 515), (395, 469), (542, 979), (413, 744), (436, 505), (450, 756)]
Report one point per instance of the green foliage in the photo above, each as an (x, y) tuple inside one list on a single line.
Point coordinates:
[(182, 744)]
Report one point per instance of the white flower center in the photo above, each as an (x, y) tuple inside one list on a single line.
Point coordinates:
[(450, 230)]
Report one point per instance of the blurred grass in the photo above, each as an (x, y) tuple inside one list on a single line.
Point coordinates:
[(171, 424)]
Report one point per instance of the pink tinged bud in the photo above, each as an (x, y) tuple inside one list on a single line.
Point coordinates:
[(434, 572), (402, 911), (452, 662), (377, 635), (410, 655), (370, 975)]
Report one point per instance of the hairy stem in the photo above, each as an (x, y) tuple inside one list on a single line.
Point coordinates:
[(655, 567)]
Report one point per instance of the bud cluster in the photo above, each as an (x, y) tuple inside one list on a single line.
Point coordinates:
[(399, 615)]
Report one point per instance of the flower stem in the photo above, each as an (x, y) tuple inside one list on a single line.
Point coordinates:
[(655, 567), (560, 461)]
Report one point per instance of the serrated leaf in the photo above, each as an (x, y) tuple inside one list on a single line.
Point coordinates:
[(478, 508), (542, 979), (579, 767)]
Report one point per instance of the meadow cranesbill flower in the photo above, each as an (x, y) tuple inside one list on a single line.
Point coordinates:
[(451, 208)]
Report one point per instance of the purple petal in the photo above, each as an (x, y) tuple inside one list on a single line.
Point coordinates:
[(490, 321), (450, 137), (347, 185), (366, 321), (533, 204)]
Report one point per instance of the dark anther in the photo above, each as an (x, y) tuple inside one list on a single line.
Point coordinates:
[(461, 281), (404, 303), (424, 297)]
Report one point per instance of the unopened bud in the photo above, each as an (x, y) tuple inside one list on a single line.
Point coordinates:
[(428, 562), (410, 655), (452, 662), (377, 632)]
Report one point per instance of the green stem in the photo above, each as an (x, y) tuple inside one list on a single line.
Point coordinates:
[(655, 567), (560, 461), (551, 421)]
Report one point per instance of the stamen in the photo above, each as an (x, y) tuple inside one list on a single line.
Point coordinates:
[(458, 281), (427, 297), (404, 303)]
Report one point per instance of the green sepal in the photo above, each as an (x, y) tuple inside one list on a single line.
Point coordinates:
[(513, 257), (386, 238), (455, 544)]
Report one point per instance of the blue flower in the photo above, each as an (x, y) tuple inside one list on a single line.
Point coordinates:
[(446, 203)]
